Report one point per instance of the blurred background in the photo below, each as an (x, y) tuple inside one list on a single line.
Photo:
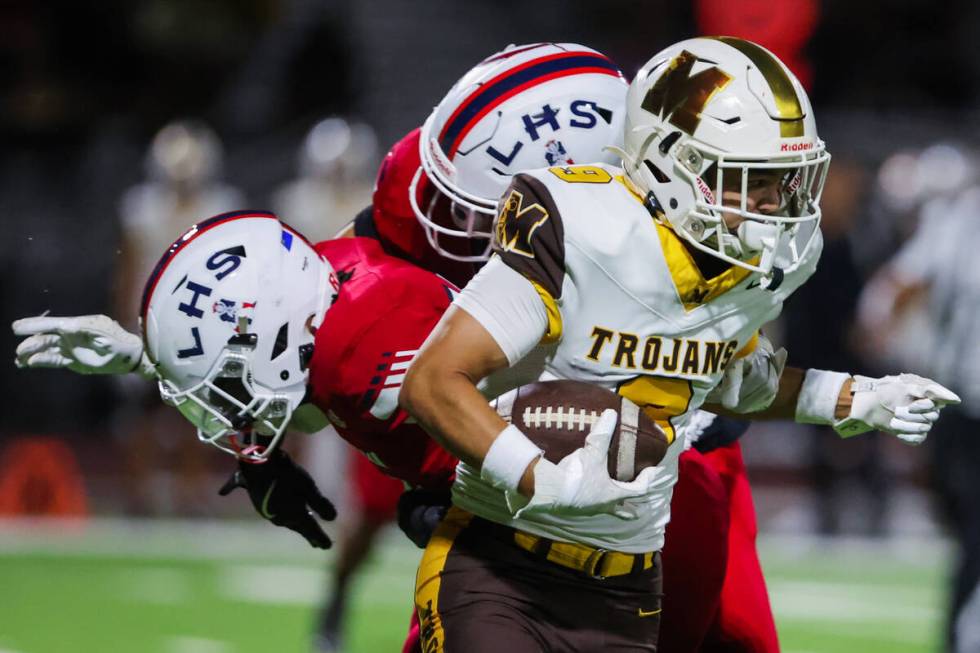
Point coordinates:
[(123, 123)]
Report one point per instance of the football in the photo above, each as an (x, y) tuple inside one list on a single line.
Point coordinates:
[(557, 415)]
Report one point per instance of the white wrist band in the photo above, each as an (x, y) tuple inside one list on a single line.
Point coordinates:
[(818, 396), (508, 458)]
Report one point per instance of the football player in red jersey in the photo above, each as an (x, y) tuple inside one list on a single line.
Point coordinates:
[(248, 328)]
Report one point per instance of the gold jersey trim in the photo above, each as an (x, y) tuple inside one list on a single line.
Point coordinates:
[(553, 334), (692, 288)]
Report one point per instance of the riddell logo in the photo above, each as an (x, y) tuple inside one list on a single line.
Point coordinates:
[(796, 147), (437, 157), (703, 187)]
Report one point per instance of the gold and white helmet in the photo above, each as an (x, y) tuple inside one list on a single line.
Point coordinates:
[(712, 109)]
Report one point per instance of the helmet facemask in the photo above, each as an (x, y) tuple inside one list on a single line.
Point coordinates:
[(229, 410), (471, 217), (722, 221)]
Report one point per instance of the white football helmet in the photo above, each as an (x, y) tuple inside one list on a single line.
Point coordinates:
[(705, 110), (529, 106), (228, 318)]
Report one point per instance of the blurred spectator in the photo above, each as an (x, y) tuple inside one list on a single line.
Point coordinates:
[(817, 321), (906, 180), (937, 269), (336, 173), (182, 167)]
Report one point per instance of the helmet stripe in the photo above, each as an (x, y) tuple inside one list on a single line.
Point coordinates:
[(787, 101), (511, 82), (180, 243)]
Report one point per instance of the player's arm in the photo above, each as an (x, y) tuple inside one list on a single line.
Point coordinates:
[(905, 405), (440, 388)]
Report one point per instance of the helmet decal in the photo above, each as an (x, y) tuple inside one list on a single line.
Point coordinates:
[(187, 237), (555, 153), (783, 92), (680, 97), (512, 82)]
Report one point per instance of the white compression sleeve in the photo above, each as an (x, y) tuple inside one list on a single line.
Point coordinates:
[(507, 306)]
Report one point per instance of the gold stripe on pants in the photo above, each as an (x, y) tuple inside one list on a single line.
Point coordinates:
[(429, 577)]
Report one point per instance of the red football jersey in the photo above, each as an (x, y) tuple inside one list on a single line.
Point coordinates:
[(384, 310), (395, 222)]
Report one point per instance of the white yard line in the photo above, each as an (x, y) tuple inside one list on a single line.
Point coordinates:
[(272, 584), (184, 644)]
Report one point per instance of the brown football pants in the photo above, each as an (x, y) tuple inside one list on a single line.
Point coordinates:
[(478, 592)]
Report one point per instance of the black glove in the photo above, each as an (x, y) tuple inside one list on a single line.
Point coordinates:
[(284, 493), (420, 511), (722, 432)]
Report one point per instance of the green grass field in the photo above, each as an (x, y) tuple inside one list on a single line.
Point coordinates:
[(213, 588)]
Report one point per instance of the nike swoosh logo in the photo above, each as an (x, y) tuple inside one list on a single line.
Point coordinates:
[(264, 510), (643, 613), (753, 284)]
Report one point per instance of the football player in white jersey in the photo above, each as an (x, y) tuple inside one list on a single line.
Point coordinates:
[(648, 280)]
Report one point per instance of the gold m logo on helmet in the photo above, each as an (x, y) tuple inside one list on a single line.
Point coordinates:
[(680, 97), (516, 224)]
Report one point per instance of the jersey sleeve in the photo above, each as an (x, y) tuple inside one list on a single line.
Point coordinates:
[(529, 236), (508, 306)]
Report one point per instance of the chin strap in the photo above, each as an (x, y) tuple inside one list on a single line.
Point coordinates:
[(773, 280)]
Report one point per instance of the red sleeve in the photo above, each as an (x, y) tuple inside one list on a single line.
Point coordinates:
[(370, 335)]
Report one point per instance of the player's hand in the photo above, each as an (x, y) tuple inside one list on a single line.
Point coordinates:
[(580, 483), (283, 492), (87, 344), (420, 511), (750, 383), (906, 406)]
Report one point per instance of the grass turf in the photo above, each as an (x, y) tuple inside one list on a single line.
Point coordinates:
[(175, 598)]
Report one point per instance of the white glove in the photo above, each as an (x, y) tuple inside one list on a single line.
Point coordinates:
[(750, 383), (580, 483), (87, 344), (906, 406)]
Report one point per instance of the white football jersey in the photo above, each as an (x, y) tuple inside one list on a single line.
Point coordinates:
[(629, 309)]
